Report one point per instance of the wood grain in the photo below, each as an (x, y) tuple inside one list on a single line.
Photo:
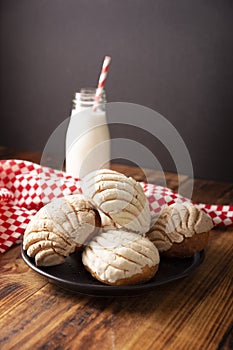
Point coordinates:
[(193, 313)]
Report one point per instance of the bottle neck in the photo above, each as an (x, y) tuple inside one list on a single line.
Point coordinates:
[(86, 99)]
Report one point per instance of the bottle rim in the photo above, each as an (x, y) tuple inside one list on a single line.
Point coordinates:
[(86, 98)]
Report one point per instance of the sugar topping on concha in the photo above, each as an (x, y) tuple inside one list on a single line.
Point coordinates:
[(59, 228), (121, 258), (180, 230), (120, 198)]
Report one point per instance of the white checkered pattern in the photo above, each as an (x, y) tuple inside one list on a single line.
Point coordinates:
[(25, 187)]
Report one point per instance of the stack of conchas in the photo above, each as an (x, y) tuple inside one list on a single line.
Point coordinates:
[(111, 224), (120, 255)]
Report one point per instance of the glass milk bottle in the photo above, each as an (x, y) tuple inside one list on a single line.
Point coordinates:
[(87, 138)]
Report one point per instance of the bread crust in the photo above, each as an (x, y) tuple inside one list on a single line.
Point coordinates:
[(188, 247), (146, 274)]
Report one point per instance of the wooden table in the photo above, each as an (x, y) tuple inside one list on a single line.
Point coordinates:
[(192, 313)]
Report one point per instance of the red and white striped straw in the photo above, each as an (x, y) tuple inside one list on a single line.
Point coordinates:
[(102, 79)]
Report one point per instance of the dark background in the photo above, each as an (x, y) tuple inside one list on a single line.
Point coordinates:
[(173, 56)]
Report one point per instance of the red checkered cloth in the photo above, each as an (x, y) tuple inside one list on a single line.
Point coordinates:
[(25, 187)]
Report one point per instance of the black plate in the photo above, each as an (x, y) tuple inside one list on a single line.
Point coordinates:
[(72, 275)]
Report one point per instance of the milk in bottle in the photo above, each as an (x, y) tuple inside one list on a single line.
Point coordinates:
[(87, 138)]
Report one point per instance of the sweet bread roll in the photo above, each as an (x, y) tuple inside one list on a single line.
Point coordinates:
[(181, 230), (121, 259), (120, 198), (59, 228)]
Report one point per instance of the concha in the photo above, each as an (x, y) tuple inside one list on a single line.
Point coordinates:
[(121, 199), (59, 228), (180, 230), (121, 259)]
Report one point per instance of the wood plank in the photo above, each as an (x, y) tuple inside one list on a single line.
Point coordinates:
[(209, 191), (6, 153), (167, 179), (18, 281), (64, 316)]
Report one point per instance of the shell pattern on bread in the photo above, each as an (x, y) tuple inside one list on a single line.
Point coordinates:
[(181, 230), (59, 228), (120, 198), (122, 258)]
